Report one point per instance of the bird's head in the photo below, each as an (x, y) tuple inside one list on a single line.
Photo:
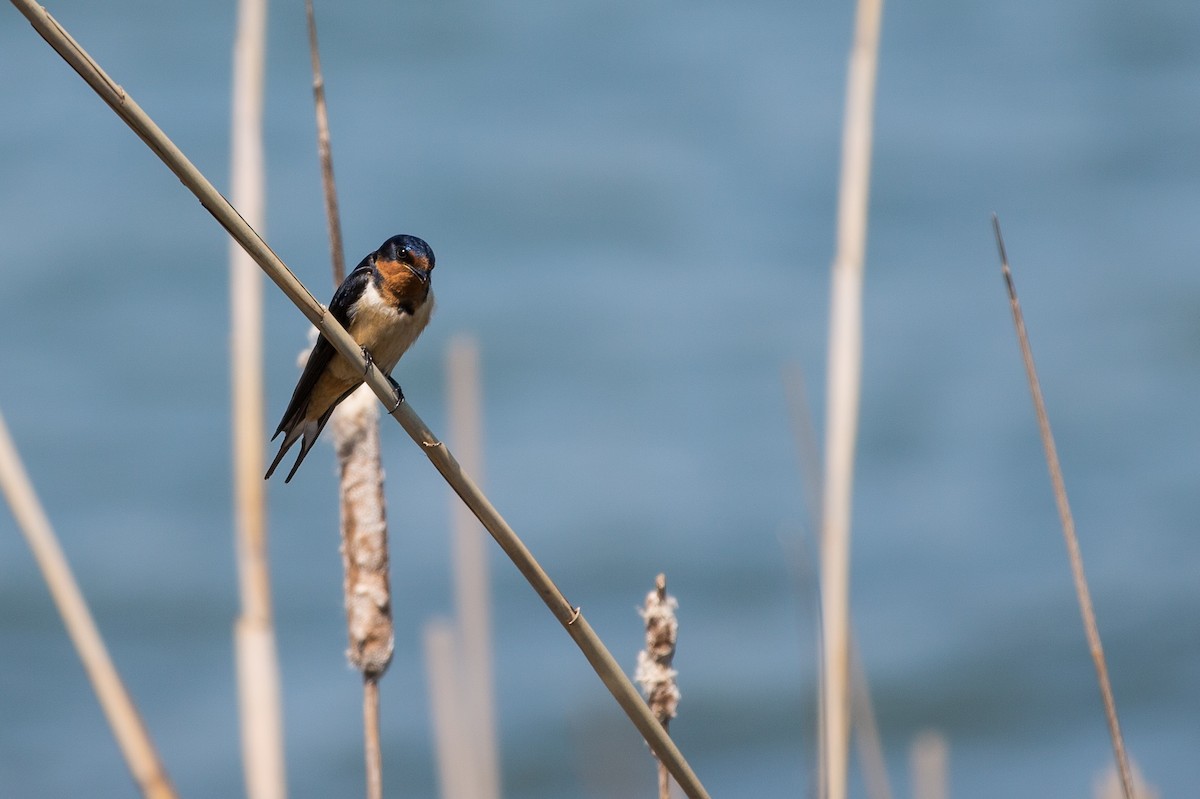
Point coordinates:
[(411, 253)]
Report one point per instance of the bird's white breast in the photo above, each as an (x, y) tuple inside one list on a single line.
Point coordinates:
[(384, 329)]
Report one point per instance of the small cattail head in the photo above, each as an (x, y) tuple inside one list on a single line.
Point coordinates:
[(654, 673)]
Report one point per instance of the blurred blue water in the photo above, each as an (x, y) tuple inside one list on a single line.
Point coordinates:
[(632, 208)]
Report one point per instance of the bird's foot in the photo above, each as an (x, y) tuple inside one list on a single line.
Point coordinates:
[(395, 386), (399, 395)]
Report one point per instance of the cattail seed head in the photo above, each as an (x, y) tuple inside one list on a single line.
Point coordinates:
[(364, 534), (654, 673)]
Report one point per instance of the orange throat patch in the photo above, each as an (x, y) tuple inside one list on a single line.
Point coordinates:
[(400, 287)]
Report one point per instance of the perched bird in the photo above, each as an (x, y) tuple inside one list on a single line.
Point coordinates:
[(384, 303)]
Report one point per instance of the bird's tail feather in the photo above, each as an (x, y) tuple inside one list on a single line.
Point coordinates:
[(309, 429), (288, 440), (305, 446)]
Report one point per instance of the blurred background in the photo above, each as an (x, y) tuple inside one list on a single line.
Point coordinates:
[(632, 207)]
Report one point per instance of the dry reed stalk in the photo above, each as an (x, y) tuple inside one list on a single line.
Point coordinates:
[(654, 672), (372, 752), (809, 452), (457, 778), (866, 729), (1108, 785), (127, 726), (928, 760), (364, 532), (862, 711), (259, 701), (471, 580), (337, 256), (845, 373), (570, 617), (1090, 628), (808, 448), (458, 651)]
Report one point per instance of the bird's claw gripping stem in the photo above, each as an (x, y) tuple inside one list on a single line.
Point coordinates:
[(399, 395), (395, 386)]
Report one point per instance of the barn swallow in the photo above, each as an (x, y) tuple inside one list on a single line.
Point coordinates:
[(384, 303)]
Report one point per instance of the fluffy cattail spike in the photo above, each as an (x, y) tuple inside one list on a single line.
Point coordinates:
[(654, 672)]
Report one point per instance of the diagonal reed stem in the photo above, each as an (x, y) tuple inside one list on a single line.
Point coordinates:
[(571, 618), (127, 726), (1090, 628)]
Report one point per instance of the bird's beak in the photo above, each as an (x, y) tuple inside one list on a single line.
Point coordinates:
[(420, 274)]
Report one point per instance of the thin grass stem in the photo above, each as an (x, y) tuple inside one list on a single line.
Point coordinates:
[(867, 741), (1074, 554), (372, 753), (337, 254), (862, 710)]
